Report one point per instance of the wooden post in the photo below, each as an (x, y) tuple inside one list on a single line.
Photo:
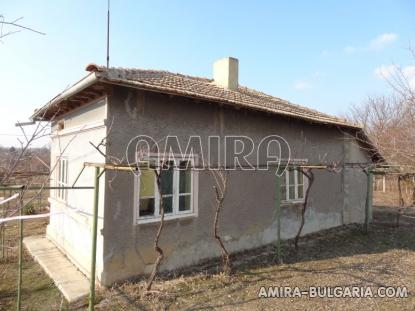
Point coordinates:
[(2, 229), (20, 270), (94, 240), (2, 240), (278, 208), (369, 195)]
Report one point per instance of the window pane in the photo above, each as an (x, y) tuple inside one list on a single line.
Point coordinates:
[(184, 203), (66, 173), (301, 192), (62, 178), (291, 192), (167, 180), (184, 179), (63, 171), (146, 207), (291, 177), (167, 204), (147, 179), (60, 171), (65, 179), (283, 192), (300, 178)]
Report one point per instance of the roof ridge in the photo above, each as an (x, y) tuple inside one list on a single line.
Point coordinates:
[(272, 97), (101, 68), (205, 87)]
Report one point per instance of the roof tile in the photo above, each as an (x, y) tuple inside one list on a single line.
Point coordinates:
[(164, 81)]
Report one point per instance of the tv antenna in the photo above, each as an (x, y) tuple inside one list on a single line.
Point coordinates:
[(108, 34)]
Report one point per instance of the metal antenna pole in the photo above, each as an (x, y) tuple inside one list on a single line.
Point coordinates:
[(108, 34)]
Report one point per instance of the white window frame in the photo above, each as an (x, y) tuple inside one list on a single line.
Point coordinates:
[(296, 199), (61, 194), (176, 183)]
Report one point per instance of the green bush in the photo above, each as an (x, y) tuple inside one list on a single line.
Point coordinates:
[(29, 209)]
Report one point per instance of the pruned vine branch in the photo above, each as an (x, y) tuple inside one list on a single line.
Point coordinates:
[(309, 174), (157, 248), (220, 188)]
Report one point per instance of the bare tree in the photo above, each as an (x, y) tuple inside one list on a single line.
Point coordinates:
[(389, 120), (220, 188), (14, 26)]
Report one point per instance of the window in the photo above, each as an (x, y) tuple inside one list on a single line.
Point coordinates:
[(293, 186), (380, 183), (62, 178), (177, 189)]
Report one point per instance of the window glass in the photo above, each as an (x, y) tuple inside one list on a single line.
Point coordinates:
[(62, 174), (176, 190), (168, 204), (291, 192), (147, 204), (147, 183), (291, 177), (300, 178), (62, 178), (166, 180), (184, 178), (146, 207), (184, 203)]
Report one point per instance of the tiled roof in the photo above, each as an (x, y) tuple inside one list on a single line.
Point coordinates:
[(203, 88)]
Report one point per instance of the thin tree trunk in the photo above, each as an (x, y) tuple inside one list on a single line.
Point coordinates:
[(401, 202), (310, 178)]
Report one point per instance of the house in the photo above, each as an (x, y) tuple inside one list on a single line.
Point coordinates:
[(111, 106)]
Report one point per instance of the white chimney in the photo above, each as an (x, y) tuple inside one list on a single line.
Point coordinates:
[(225, 73)]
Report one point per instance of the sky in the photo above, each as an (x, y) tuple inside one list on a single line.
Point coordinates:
[(326, 55)]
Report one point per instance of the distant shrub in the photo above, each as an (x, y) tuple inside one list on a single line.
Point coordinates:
[(29, 209)]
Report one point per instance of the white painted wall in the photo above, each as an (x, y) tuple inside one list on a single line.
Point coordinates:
[(70, 226)]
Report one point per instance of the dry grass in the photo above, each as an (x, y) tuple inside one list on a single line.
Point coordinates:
[(39, 292), (391, 198), (337, 257)]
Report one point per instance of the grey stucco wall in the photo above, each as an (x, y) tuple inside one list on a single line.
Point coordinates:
[(249, 216)]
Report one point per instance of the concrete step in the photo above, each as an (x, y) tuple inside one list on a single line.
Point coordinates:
[(70, 281)]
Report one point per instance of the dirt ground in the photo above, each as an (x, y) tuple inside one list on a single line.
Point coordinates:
[(337, 257)]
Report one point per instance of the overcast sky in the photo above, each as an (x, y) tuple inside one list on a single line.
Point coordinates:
[(325, 55)]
